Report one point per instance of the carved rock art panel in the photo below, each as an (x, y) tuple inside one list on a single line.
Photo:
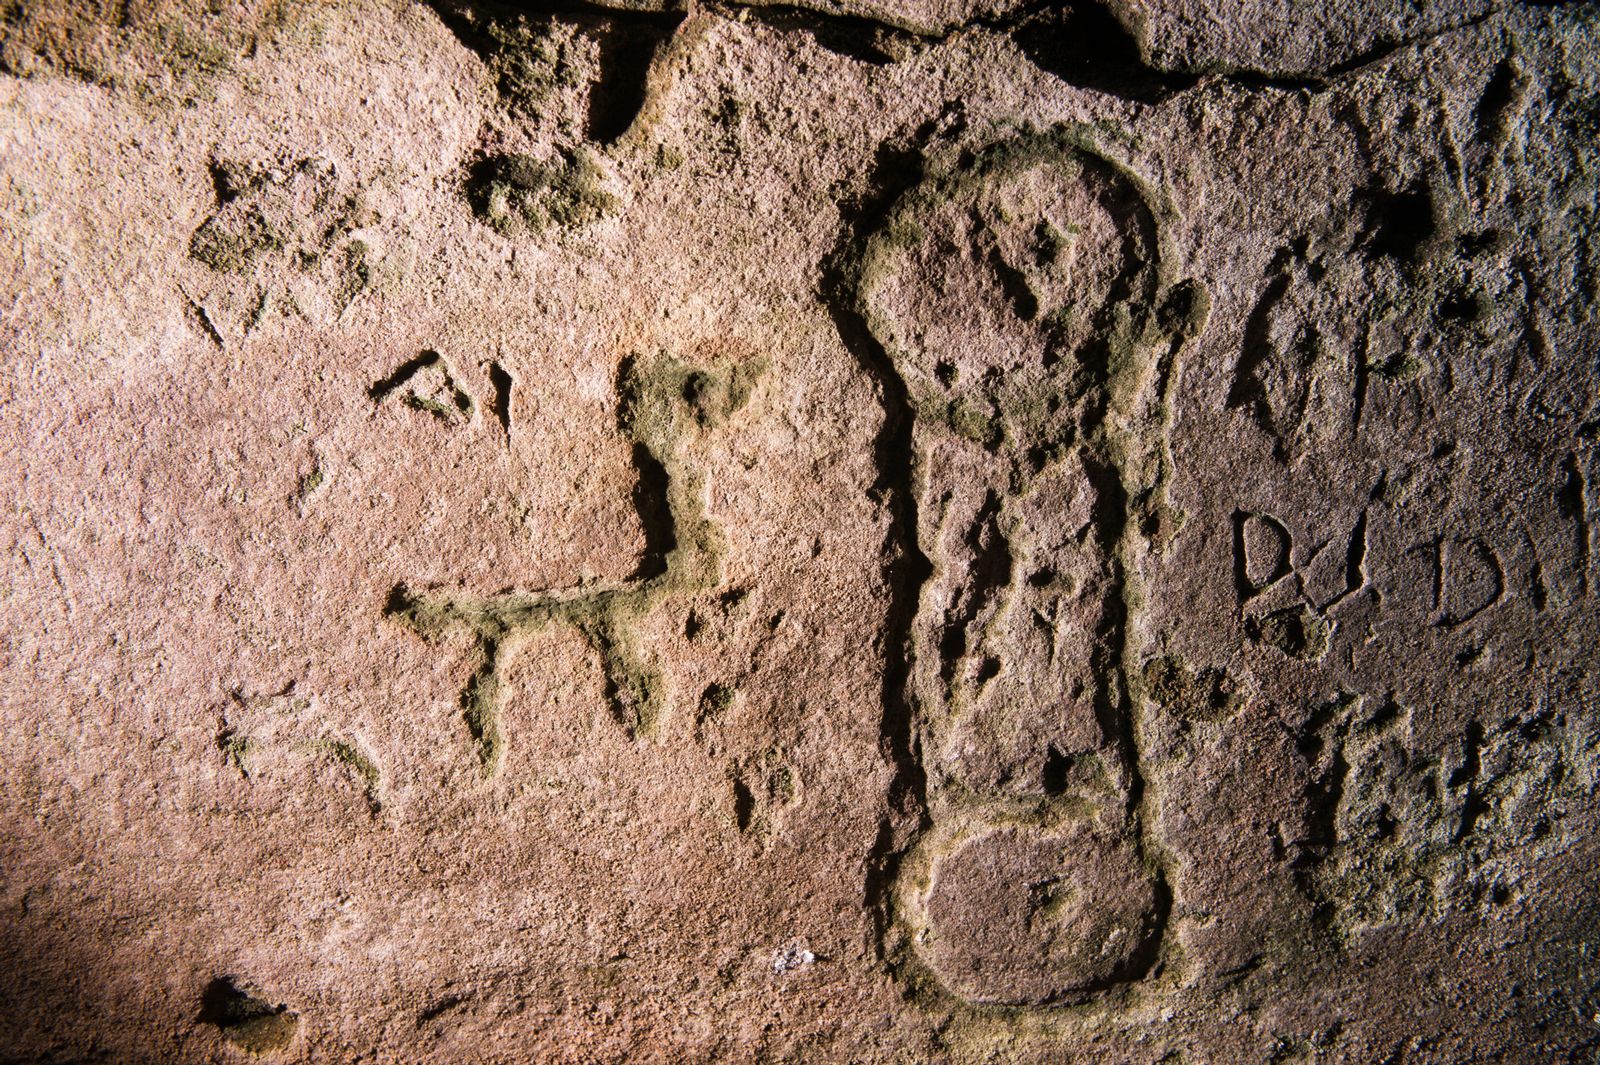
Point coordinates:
[(661, 401), (1025, 303)]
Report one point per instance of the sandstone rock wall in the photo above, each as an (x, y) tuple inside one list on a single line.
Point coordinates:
[(862, 531)]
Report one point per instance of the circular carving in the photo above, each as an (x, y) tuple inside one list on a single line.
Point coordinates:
[(1028, 917), (1010, 288)]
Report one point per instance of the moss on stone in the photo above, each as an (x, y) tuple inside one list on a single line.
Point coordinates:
[(1295, 631), (1202, 695), (231, 243), (518, 193), (246, 1020)]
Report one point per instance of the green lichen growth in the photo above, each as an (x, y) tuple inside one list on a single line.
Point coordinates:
[(480, 709), (533, 62), (188, 55), (364, 768), (310, 482), (968, 421), (237, 749), (668, 158), (1295, 631), (1408, 833), (715, 701), (428, 405), (261, 212), (515, 194), (356, 271), (662, 402)]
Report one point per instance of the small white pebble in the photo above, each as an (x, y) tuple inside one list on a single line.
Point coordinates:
[(793, 956)]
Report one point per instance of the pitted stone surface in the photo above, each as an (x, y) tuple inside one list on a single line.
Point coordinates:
[(838, 532)]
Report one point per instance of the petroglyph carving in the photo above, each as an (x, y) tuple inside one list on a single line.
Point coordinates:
[(1024, 301), (1285, 593), (765, 786), (426, 383), (283, 237), (1395, 832), (1262, 548), (261, 733), (661, 402), (1297, 373), (1469, 580)]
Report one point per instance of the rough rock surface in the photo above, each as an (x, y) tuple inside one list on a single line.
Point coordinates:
[(866, 531)]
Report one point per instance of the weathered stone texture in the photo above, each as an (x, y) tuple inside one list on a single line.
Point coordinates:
[(860, 532)]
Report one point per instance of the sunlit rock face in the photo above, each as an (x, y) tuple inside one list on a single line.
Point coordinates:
[(858, 531)]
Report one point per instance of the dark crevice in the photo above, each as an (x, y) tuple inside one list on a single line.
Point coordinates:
[(744, 805), (1506, 87), (1572, 506), (1243, 588), (906, 569), (617, 96), (865, 28), (501, 381), (1401, 223), (206, 324), (1246, 588), (1085, 46), (863, 39), (655, 514), (1380, 52), (1536, 589), (1359, 372), (1355, 572), (480, 705), (1013, 282), (1056, 773), (1449, 616), (245, 1019), (629, 693), (1112, 708), (1323, 797), (1473, 805), (223, 183), (439, 1009)]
